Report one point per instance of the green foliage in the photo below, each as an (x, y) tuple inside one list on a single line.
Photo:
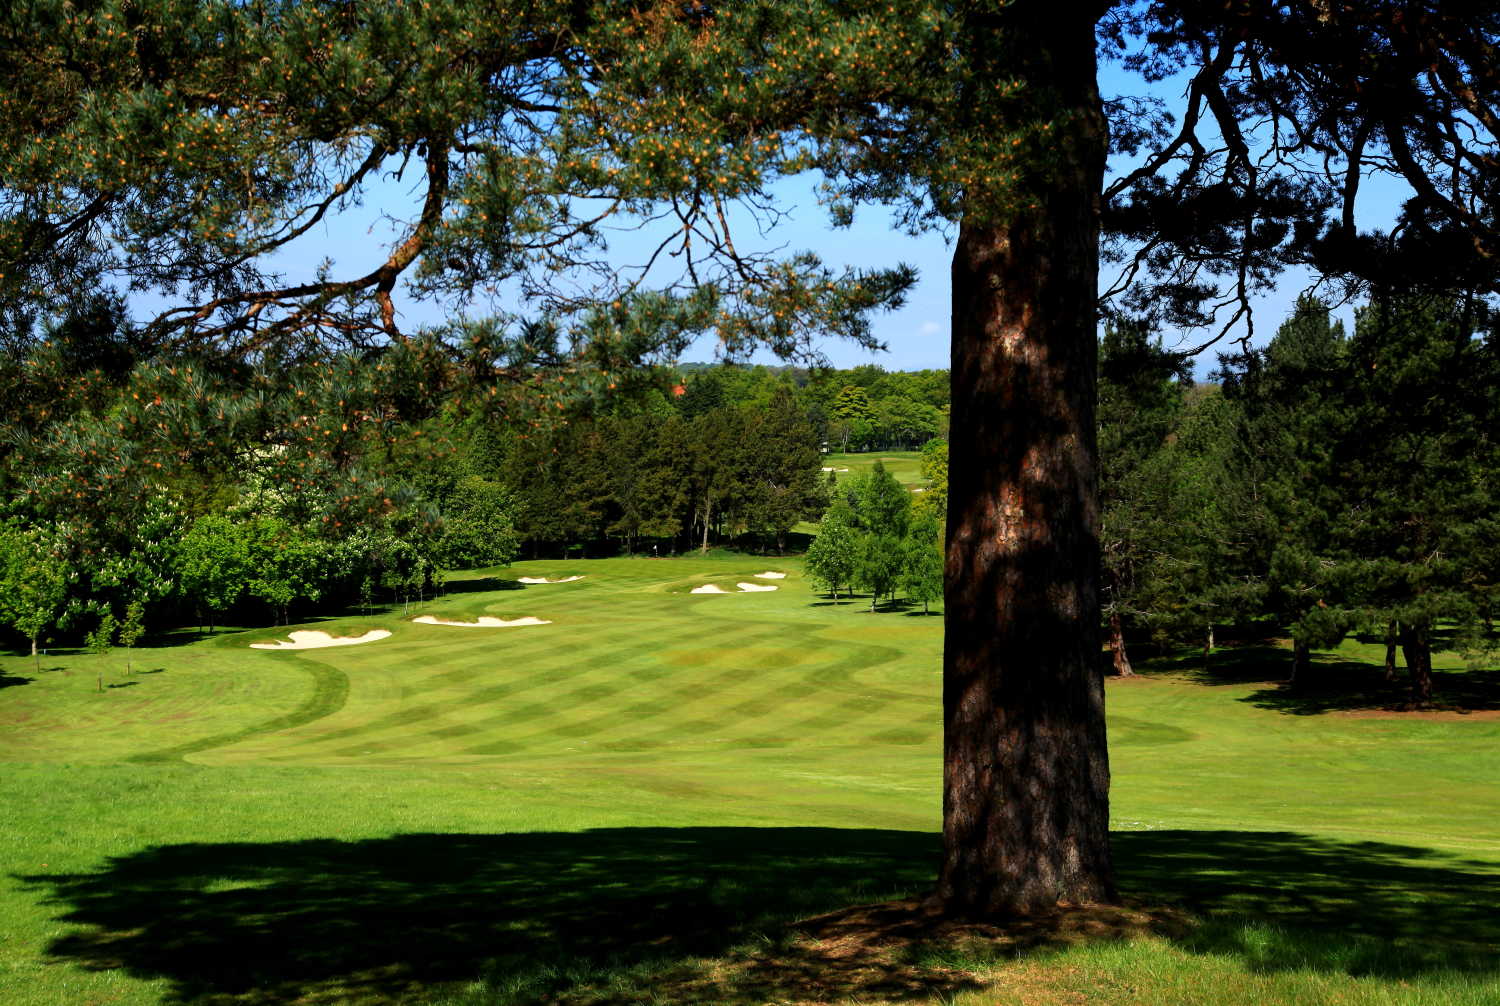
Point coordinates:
[(33, 581), (103, 637), (213, 563), (881, 505), (879, 563), (922, 559), (935, 471), (834, 553), (479, 525), (283, 564)]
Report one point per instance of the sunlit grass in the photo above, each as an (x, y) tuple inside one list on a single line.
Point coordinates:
[(637, 802)]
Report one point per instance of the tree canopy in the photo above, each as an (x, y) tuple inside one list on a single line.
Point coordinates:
[(173, 147)]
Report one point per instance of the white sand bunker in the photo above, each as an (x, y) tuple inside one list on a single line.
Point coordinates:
[(543, 579), (835, 469), (753, 587), (709, 588), (312, 639), (485, 622), (745, 588), (770, 575)]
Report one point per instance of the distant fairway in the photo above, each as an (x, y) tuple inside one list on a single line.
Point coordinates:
[(631, 801), (904, 466)]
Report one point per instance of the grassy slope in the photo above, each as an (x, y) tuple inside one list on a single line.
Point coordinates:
[(630, 799)]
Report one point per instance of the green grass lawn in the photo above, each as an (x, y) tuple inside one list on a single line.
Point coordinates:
[(905, 466), (634, 803)]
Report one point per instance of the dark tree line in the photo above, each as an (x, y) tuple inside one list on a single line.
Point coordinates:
[(673, 479), (1333, 482)]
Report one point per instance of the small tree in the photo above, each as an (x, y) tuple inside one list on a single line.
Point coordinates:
[(100, 640), (832, 554), (132, 627), (284, 565), (33, 583)]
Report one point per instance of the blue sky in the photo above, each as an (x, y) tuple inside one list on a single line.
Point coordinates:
[(916, 336)]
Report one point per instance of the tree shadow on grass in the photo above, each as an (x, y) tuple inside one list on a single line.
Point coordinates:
[(1236, 665), (480, 585), (8, 680), (1330, 685), (608, 915), (1350, 686)]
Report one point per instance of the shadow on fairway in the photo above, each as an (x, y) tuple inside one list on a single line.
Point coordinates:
[(1330, 685), (1349, 685), (8, 680), (548, 913), (1236, 665), (479, 586)]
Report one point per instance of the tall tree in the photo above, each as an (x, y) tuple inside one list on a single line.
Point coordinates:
[(782, 465), (1140, 397), (985, 114)]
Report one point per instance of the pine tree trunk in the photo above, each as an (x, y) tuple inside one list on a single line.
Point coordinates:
[(1391, 628), (1117, 648), (1208, 642), (1417, 649), (1301, 663), (708, 507), (1026, 771)]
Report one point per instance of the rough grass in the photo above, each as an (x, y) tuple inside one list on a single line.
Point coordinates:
[(675, 798)]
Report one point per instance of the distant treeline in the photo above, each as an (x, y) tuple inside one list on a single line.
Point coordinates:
[(198, 489)]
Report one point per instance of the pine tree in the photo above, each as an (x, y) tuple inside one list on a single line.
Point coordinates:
[(986, 115)]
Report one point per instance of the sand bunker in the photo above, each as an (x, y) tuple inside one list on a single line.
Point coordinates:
[(485, 622), (745, 588), (709, 588), (312, 639), (770, 575), (753, 587), (835, 469), (543, 579)]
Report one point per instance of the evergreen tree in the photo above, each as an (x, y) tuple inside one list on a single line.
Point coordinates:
[(1417, 464), (782, 465), (647, 477), (987, 116), (1140, 400)]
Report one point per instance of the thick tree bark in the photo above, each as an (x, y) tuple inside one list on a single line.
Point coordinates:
[(1026, 772), (1117, 648), (1417, 649)]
